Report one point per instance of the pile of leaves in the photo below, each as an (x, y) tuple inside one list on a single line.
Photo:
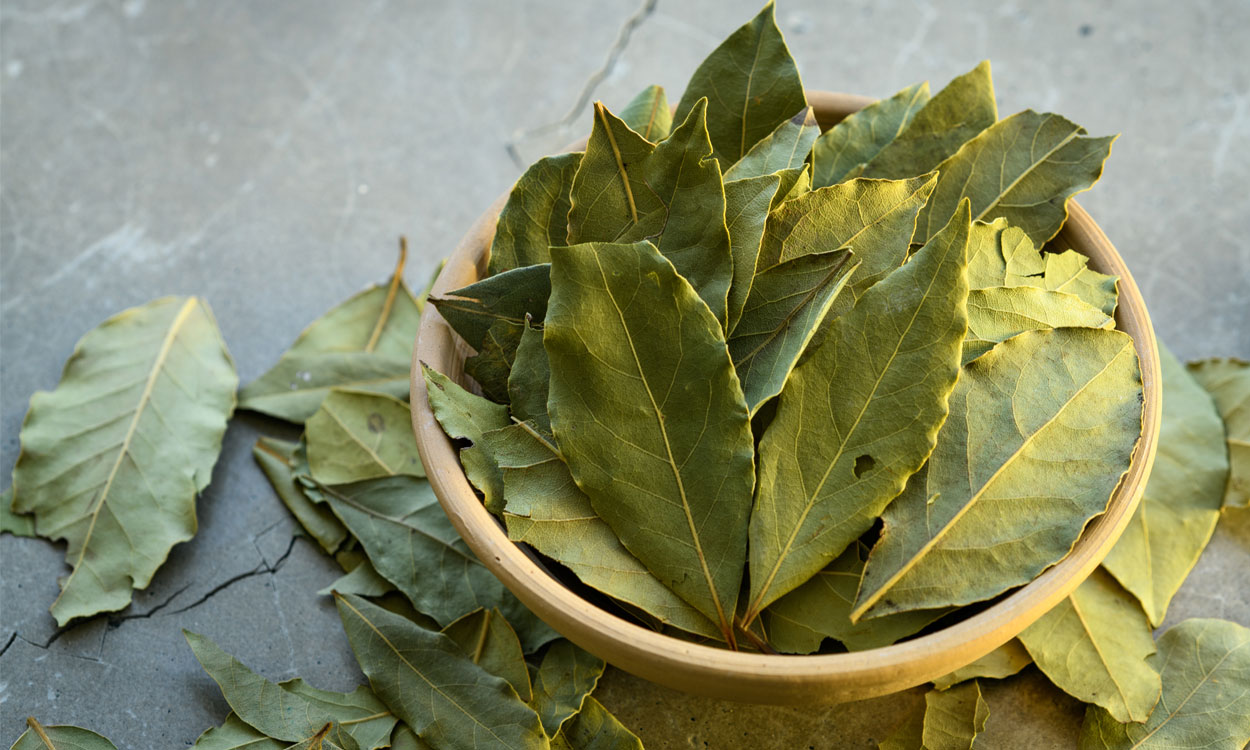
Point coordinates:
[(763, 281)]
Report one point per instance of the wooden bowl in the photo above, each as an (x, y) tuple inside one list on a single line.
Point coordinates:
[(753, 677)]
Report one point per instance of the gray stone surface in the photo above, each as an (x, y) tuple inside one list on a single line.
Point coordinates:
[(266, 156)]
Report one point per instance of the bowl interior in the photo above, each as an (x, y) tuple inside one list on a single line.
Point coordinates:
[(753, 677)]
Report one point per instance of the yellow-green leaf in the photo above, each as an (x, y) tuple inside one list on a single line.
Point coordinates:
[(786, 147), (235, 734), (595, 728), (39, 737), (953, 718), (564, 679), (487, 638), (997, 313), (648, 115), (112, 460), (363, 580), (358, 435), (535, 215), (858, 416), (466, 416), (14, 523), (331, 736), (1004, 661), (1094, 646), (276, 459), (403, 738), (842, 152), (1228, 382), (647, 411), (992, 511)]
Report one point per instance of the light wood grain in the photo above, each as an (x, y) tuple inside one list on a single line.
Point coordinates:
[(750, 677)]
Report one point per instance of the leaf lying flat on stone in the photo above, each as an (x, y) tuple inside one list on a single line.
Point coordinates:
[(857, 417), (112, 460), (413, 545), (535, 215), (1093, 645), (509, 296), (751, 84), (628, 189), (236, 734), (332, 736), (961, 110), (953, 718), (428, 682), (1228, 382), (787, 147), (1181, 503), (364, 343), (648, 115), (647, 411), (907, 735), (363, 580), (466, 416), (275, 458), (1004, 661), (546, 510), (563, 680), (404, 738), (292, 710), (1023, 168), (990, 512), (997, 313), (842, 152), (1205, 667), (491, 643), (356, 435), (595, 728), (14, 523), (39, 737)]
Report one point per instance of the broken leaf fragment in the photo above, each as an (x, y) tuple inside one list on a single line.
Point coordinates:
[(997, 313)]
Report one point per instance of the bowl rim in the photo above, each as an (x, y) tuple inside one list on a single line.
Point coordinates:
[(754, 677)]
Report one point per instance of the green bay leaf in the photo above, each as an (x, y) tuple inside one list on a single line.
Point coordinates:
[(842, 152), (747, 203), (486, 637), (509, 296), (751, 83), (535, 216), (907, 735), (647, 410), (529, 380), (953, 718), (14, 523), (363, 580), (62, 737), (564, 679), (331, 736), (1068, 272), (1004, 661), (997, 313), (1181, 503), (648, 115), (467, 416), (113, 459), (403, 738), (858, 416), (276, 459), (492, 365), (991, 512), (1205, 668), (428, 682), (1228, 382), (787, 147), (235, 734), (1094, 646), (359, 435), (595, 728)]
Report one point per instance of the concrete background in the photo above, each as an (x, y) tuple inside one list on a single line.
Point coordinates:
[(267, 155)]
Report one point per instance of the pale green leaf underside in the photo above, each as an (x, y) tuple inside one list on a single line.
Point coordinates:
[(995, 314), (841, 152), (62, 738), (467, 416), (1004, 661), (595, 728), (355, 436), (535, 215), (563, 680), (648, 115), (1228, 382), (486, 638), (276, 459), (953, 718), (787, 147), (235, 734), (14, 523)]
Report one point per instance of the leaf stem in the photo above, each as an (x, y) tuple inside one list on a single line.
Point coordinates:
[(601, 113), (38, 729)]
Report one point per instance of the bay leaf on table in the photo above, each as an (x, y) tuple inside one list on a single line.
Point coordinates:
[(648, 115), (236, 734), (1205, 668), (293, 710), (648, 413), (786, 305), (955, 115), (412, 544), (1004, 661), (276, 458), (628, 189), (953, 718), (486, 637), (787, 147), (546, 510), (535, 215), (356, 435), (991, 512), (858, 416), (842, 152), (1181, 503), (467, 416), (565, 677), (363, 343), (595, 728), (492, 364), (997, 313), (529, 380), (1228, 382), (403, 738), (428, 682), (363, 580), (798, 622), (1024, 168), (508, 296), (751, 83), (747, 203), (332, 736), (112, 460), (1094, 646), (62, 737), (16, 524)]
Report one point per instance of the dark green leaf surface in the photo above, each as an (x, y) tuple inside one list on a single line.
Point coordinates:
[(276, 460), (595, 728), (648, 115), (953, 718), (492, 365), (563, 680), (487, 638), (529, 380), (362, 580), (842, 152), (1004, 661), (672, 471), (507, 296), (747, 203), (535, 215), (358, 435), (787, 147), (466, 416)]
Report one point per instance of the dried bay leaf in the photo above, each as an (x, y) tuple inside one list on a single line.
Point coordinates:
[(647, 411), (908, 735), (1205, 668), (14, 523), (63, 737), (564, 678), (466, 416), (1004, 661), (751, 83), (1228, 382), (112, 460), (491, 643), (546, 510), (535, 216), (953, 718), (648, 115), (364, 343), (276, 459), (595, 728), (747, 203), (492, 365), (865, 407), (529, 379), (291, 710), (359, 435), (412, 544), (428, 682), (1066, 397), (997, 313), (1023, 168), (628, 189), (787, 147), (842, 152), (961, 110), (236, 734), (332, 736), (404, 738), (1181, 503), (509, 296), (1094, 646), (363, 580)]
